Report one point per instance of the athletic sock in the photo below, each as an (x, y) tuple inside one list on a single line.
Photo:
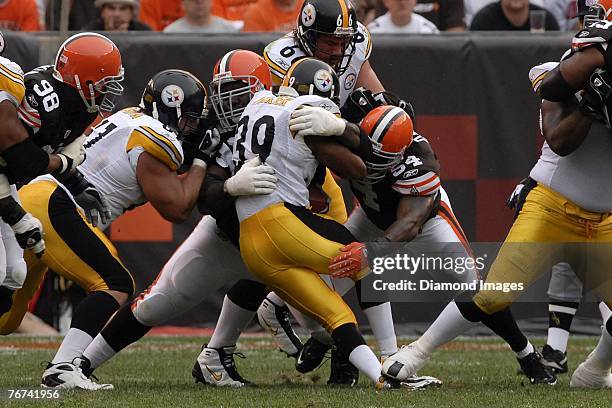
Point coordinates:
[(447, 326), (380, 318), (560, 316), (89, 318), (601, 358), (123, 330), (233, 320)]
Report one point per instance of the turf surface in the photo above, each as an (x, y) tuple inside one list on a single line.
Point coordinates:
[(156, 372)]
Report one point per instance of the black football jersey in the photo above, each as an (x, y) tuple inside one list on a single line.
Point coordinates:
[(416, 175), (53, 113)]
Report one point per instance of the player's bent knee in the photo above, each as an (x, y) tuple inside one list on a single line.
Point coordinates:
[(16, 273), (155, 309), (490, 302)]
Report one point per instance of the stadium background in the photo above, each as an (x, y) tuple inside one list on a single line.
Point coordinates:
[(473, 101)]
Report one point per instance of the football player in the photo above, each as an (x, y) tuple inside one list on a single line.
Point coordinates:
[(55, 105), (282, 243), (569, 207), (327, 30), (401, 199), (134, 157), (208, 259)]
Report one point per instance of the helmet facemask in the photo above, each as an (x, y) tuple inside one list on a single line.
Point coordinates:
[(108, 89), (597, 12), (229, 96), (341, 61), (381, 163)]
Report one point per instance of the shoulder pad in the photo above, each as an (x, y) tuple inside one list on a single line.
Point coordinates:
[(11, 81), (594, 33), (315, 100), (280, 54), (160, 143), (363, 42)]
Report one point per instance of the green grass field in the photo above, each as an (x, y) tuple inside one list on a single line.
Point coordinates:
[(156, 372)]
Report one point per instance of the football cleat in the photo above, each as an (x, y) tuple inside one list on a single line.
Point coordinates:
[(217, 367), (535, 368), (555, 360), (342, 371), (414, 383), (275, 319), (406, 362), (587, 377), (68, 376), (311, 355)]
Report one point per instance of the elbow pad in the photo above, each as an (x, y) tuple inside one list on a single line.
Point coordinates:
[(555, 88), (25, 161)]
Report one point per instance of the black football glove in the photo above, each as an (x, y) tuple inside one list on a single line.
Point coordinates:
[(359, 103), (389, 98), (94, 205), (596, 95)]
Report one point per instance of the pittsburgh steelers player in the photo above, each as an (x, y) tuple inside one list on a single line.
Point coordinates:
[(567, 213), (133, 158)]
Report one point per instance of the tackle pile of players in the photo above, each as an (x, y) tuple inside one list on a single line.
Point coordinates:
[(258, 151)]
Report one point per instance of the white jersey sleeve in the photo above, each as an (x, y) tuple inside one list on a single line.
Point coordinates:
[(12, 87)]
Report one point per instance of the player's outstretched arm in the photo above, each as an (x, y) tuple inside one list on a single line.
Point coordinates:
[(173, 196)]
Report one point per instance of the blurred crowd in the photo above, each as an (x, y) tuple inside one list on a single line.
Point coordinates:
[(223, 16)]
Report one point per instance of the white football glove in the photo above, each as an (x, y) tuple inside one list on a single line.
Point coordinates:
[(72, 155), (315, 121), (29, 233), (253, 178)]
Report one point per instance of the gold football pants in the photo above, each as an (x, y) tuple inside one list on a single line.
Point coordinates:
[(337, 208), (287, 247), (74, 249), (548, 230)]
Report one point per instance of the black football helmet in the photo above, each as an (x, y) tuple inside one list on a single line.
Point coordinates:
[(334, 18), (2, 44), (310, 76), (177, 99)]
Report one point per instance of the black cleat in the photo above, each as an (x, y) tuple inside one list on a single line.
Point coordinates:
[(555, 360), (311, 355), (342, 371), (534, 367)]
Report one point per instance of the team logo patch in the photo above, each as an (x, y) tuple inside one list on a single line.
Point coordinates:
[(323, 80), (308, 15), (282, 63), (349, 81), (172, 96), (326, 106)]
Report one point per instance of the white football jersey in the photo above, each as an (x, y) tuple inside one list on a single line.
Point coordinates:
[(11, 82), (264, 130), (281, 53), (583, 176), (113, 149)]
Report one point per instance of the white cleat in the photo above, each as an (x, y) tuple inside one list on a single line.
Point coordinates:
[(216, 367), (275, 319), (587, 377), (67, 376), (404, 364)]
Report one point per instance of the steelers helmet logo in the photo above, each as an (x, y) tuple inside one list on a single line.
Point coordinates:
[(323, 80), (308, 15), (172, 96)]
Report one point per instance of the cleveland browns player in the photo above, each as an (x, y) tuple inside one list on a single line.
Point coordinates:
[(56, 105), (569, 207), (134, 157)]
